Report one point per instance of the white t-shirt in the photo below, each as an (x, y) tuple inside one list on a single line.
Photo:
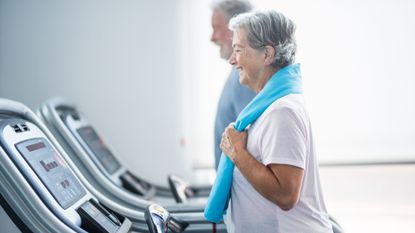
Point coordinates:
[(281, 135)]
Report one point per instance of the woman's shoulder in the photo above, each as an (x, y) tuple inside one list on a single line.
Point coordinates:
[(287, 112), (292, 103)]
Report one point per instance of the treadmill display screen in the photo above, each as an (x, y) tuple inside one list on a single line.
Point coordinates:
[(53, 173), (98, 147)]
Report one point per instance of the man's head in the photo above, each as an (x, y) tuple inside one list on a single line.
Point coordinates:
[(223, 11)]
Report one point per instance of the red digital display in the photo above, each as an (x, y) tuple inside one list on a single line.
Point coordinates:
[(35, 146)]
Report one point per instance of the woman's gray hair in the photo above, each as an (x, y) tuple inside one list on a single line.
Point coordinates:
[(231, 8), (269, 28)]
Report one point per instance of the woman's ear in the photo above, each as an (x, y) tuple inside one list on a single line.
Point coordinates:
[(269, 54)]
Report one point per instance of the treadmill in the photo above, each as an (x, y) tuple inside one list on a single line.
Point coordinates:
[(28, 122), (39, 192), (91, 155)]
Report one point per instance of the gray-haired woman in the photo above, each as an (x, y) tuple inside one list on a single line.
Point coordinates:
[(276, 185)]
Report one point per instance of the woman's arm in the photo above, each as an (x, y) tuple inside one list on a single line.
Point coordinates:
[(279, 183)]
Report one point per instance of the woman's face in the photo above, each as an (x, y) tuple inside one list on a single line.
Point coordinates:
[(249, 61)]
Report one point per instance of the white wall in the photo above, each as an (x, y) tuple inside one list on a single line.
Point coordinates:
[(203, 83), (127, 58), (118, 60), (357, 59), (359, 81)]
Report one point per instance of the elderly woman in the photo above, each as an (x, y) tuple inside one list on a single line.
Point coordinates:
[(276, 185)]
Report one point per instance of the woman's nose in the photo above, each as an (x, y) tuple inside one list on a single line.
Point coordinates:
[(232, 59)]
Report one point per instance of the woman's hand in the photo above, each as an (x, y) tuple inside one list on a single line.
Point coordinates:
[(233, 142)]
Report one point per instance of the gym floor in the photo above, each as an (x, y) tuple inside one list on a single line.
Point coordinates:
[(373, 198)]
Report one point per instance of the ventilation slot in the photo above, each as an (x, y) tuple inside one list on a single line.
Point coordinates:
[(24, 127), (18, 128)]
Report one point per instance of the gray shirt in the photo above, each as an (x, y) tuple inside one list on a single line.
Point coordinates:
[(233, 99)]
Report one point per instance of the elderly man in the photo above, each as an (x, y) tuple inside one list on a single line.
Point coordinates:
[(234, 96)]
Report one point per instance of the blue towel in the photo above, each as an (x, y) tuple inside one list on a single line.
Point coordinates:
[(286, 81)]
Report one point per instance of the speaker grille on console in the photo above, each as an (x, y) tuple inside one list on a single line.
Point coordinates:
[(18, 128)]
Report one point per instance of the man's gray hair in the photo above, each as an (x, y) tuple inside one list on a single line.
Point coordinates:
[(231, 8), (269, 28)]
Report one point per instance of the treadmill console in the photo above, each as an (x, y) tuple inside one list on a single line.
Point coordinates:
[(50, 169), (101, 151), (53, 180), (101, 155), (111, 164)]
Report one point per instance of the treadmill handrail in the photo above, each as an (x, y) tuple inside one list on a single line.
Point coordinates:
[(49, 114), (134, 214), (13, 108), (132, 199), (16, 109)]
